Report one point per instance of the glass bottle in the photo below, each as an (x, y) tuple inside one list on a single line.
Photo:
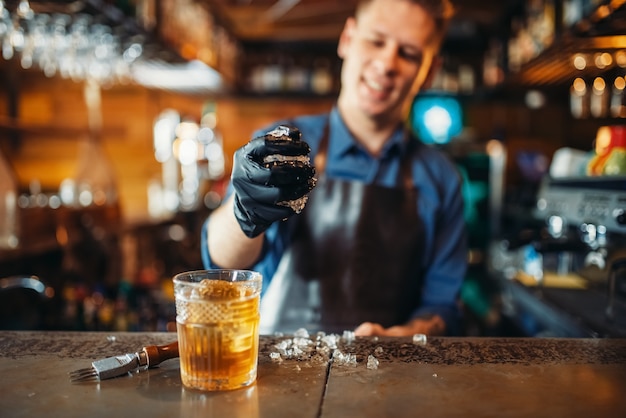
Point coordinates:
[(95, 177), (9, 215)]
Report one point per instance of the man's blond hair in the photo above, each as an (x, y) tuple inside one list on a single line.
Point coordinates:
[(440, 10)]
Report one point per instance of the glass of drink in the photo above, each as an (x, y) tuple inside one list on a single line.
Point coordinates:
[(217, 319)]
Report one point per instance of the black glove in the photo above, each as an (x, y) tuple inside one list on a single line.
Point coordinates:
[(268, 173)]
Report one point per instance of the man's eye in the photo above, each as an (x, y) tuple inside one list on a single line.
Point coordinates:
[(412, 56)]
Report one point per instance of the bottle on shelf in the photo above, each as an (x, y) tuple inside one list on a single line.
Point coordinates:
[(9, 222)]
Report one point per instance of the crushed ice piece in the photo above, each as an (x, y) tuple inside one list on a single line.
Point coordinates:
[(278, 334), (339, 358), (301, 333), (312, 351), (276, 358), (372, 362), (434, 374), (283, 345), (280, 132), (419, 339), (351, 360), (375, 339), (342, 359), (331, 340), (220, 290), (302, 342), (297, 352), (378, 351), (111, 338), (297, 368), (348, 336)]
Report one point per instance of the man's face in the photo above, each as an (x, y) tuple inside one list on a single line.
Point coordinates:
[(388, 53)]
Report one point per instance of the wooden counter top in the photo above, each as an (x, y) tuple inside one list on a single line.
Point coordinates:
[(447, 377)]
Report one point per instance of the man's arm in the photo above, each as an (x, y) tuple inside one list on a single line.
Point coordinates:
[(271, 174), (228, 245), (434, 325)]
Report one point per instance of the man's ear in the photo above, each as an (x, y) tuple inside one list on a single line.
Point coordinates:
[(346, 37)]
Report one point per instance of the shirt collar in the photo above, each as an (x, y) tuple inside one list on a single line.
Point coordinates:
[(342, 142)]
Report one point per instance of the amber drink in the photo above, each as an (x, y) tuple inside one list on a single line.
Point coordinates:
[(217, 319)]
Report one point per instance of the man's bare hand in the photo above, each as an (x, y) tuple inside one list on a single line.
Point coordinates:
[(429, 326)]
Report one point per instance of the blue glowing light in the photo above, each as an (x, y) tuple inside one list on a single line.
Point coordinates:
[(436, 118)]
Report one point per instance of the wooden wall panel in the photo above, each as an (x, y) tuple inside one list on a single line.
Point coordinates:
[(53, 121)]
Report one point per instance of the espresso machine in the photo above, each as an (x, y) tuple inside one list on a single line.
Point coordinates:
[(569, 279)]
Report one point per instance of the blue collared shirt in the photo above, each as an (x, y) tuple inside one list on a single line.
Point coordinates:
[(440, 206)]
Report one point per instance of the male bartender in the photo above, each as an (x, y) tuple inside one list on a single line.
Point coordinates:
[(380, 246)]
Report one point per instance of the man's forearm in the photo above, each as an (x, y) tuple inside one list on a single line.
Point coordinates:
[(228, 246)]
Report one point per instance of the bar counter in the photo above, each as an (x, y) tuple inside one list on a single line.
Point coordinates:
[(446, 377)]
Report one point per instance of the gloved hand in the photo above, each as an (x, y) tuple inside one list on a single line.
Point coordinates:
[(271, 176)]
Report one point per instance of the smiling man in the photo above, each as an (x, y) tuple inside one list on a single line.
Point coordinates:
[(388, 51), (380, 246)]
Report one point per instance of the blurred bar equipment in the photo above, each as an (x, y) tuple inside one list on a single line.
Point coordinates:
[(567, 277)]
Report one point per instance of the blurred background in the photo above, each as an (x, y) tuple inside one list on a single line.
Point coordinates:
[(119, 118)]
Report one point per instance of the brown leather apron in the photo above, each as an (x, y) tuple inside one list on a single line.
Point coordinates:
[(355, 256)]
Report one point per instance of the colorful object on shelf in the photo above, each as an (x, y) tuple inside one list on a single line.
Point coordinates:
[(610, 152)]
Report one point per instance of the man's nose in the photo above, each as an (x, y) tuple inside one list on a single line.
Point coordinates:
[(387, 59)]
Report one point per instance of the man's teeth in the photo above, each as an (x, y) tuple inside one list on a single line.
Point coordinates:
[(374, 85)]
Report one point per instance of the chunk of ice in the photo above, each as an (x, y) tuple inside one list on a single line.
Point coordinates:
[(348, 336), (297, 352), (419, 339), (302, 347), (276, 358), (372, 362), (341, 359), (351, 360), (302, 342), (302, 333), (284, 344), (331, 340)]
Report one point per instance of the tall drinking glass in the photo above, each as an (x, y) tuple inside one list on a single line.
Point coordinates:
[(217, 319)]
